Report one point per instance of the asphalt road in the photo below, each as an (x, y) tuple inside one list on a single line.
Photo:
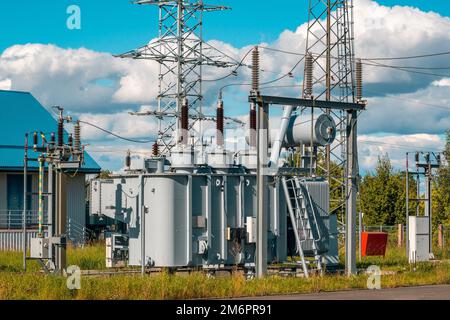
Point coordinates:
[(440, 292)]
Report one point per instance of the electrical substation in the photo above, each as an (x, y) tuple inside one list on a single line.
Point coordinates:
[(195, 203)]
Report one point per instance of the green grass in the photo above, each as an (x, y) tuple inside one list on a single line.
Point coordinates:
[(87, 258), (197, 285), (34, 285)]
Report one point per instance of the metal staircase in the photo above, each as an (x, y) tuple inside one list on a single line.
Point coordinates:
[(309, 229)]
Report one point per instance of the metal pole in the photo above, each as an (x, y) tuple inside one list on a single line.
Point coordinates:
[(407, 206), (24, 213), (261, 219), (61, 220), (328, 85), (360, 234), (142, 227), (428, 204), (51, 208), (352, 160)]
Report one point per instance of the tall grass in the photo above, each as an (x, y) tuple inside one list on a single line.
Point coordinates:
[(14, 284), (87, 258), (197, 285)]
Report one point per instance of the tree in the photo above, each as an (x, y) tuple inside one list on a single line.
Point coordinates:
[(441, 190), (382, 194)]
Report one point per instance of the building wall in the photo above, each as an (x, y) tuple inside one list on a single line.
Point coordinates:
[(2, 191), (76, 205), (76, 209)]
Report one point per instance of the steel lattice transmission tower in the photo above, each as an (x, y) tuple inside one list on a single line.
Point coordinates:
[(181, 54), (330, 51)]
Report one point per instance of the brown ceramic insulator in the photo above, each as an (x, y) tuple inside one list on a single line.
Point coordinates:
[(309, 60), (155, 149), (255, 69), (60, 132), (253, 127), (359, 81), (77, 136), (184, 121), (219, 124)]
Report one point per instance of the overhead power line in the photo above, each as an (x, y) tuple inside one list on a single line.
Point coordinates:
[(115, 134), (365, 58), (409, 69), (411, 57), (410, 100)]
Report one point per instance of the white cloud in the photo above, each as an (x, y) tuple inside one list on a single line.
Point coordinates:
[(5, 84), (445, 82), (102, 89), (396, 146), (73, 77)]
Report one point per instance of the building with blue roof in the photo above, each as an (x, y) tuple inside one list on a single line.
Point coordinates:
[(21, 113)]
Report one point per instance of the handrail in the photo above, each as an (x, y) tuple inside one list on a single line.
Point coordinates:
[(291, 214), (303, 183), (298, 206)]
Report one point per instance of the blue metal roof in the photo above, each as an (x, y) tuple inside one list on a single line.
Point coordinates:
[(22, 113)]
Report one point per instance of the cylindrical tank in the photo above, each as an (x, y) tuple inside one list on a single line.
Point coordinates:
[(299, 131)]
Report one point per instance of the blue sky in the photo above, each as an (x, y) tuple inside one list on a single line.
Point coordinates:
[(117, 25), (102, 89)]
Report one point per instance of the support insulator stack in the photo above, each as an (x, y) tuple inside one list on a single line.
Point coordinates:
[(359, 80), (255, 70), (52, 138), (60, 131), (253, 125), (70, 140), (255, 91), (219, 123), (309, 68), (155, 149), (77, 136), (128, 160), (184, 121), (35, 140)]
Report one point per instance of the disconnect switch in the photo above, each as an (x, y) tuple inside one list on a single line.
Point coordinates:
[(202, 247), (251, 229)]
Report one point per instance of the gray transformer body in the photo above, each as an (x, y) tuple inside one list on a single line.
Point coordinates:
[(207, 218)]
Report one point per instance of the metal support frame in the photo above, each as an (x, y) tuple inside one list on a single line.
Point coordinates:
[(181, 54), (351, 193), (351, 109), (61, 221), (329, 41), (261, 183), (60, 158)]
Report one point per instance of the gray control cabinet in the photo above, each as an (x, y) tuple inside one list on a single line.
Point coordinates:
[(419, 239)]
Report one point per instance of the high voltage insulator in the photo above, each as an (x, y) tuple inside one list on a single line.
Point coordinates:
[(219, 123), (253, 125), (359, 80), (128, 160), (155, 149), (35, 140), (77, 134), (70, 140), (309, 68), (52, 138), (255, 69), (184, 121), (60, 131)]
